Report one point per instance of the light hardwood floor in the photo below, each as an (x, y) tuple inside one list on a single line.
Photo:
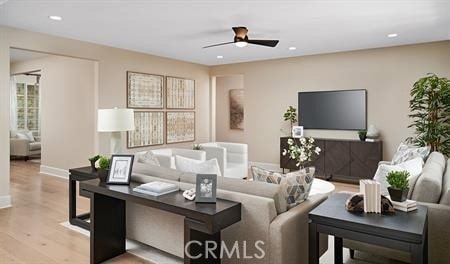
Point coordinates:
[(30, 231)]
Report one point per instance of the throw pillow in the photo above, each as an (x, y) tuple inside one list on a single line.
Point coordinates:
[(197, 166), (148, 158), (406, 152), (30, 136), (297, 184), (414, 167), (21, 135)]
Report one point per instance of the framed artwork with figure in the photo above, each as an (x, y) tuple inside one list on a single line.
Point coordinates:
[(120, 170)]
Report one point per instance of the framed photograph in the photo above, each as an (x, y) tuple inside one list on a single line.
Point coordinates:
[(206, 188), (180, 93), (120, 171), (297, 131), (144, 90), (149, 129), (180, 127)]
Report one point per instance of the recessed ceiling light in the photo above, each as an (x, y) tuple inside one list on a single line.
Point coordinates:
[(57, 18), (241, 44), (392, 35), (219, 56), (292, 48)]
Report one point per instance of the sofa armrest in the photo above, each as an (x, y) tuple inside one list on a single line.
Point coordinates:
[(438, 232), (19, 147), (289, 233)]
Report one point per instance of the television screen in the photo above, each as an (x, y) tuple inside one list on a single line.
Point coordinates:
[(340, 110)]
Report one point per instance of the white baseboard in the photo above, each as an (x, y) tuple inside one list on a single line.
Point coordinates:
[(5, 201), (265, 165), (52, 171)]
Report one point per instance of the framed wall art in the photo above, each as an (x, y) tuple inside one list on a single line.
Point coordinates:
[(237, 109), (149, 129), (180, 93), (180, 127), (144, 90)]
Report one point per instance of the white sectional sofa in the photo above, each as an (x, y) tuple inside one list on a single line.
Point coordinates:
[(265, 217)]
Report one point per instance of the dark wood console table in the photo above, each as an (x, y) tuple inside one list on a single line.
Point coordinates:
[(78, 174), (203, 222), (340, 159)]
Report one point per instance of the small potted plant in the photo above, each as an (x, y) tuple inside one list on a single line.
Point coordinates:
[(93, 160), (103, 168), (291, 116), (197, 147), (399, 185), (362, 134)]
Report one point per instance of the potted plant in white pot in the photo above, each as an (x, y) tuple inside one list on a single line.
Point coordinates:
[(399, 185)]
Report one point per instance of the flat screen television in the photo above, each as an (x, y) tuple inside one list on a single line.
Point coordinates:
[(334, 110)]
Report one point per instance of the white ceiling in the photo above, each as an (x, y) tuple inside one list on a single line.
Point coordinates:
[(179, 29)]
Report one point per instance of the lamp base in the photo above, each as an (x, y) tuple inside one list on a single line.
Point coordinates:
[(116, 142)]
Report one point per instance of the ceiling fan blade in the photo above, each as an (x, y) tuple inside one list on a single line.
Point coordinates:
[(262, 42), (220, 44)]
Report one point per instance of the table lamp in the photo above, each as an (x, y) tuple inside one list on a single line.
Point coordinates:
[(115, 121)]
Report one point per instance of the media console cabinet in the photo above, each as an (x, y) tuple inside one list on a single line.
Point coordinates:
[(340, 159)]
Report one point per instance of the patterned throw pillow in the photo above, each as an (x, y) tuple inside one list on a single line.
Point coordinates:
[(406, 152), (297, 184), (148, 158)]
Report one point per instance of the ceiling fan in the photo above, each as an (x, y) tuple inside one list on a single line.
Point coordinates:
[(241, 39)]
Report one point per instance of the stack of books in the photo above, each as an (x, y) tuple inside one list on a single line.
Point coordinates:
[(372, 195), (405, 206), (156, 188)]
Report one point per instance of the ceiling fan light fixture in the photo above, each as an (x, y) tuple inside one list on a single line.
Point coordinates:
[(241, 44)]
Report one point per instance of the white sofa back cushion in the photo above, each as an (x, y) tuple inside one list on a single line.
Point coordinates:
[(196, 166)]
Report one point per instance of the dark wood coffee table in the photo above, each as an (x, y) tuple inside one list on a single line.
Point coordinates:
[(402, 231), (202, 223)]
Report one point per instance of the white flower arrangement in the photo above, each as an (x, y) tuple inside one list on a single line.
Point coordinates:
[(302, 153)]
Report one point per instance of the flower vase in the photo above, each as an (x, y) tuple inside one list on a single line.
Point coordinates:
[(298, 184)]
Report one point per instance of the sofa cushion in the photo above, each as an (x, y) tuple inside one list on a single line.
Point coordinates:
[(148, 157), (297, 184), (429, 185), (197, 166), (414, 167), (272, 191), (445, 198), (34, 146), (406, 152), (156, 171)]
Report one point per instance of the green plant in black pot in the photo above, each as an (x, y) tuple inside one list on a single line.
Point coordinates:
[(399, 185), (362, 134), (197, 147), (93, 160), (104, 164)]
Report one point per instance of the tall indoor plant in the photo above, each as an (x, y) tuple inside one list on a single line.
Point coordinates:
[(430, 111)]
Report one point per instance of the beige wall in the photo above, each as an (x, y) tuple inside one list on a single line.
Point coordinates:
[(223, 86), (112, 66), (387, 74), (67, 109)]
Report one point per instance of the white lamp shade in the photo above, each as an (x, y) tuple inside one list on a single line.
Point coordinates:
[(114, 120)]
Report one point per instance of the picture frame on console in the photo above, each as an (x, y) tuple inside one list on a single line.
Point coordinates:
[(206, 188), (297, 131), (120, 170)]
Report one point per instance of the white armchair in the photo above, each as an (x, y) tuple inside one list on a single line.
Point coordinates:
[(232, 158), (166, 156), (24, 147)]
